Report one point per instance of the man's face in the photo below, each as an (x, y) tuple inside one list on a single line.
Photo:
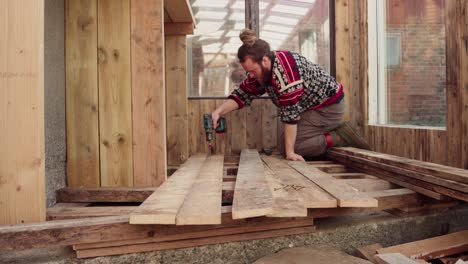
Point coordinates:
[(255, 70)]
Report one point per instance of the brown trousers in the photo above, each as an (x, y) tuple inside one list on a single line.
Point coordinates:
[(310, 139)]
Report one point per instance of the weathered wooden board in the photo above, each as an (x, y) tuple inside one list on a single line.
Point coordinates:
[(312, 195), (346, 195), (252, 195), (202, 204), (164, 204)]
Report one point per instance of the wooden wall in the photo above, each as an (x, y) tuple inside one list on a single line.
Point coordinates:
[(253, 127), (22, 179), (115, 93), (448, 146)]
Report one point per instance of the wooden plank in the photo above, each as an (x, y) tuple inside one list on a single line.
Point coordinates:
[(103, 194), (193, 242), (391, 177), (368, 252), (59, 213), (177, 109), (393, 258), (239, 131), (352, 175), (82, 93), (330, 168), (367, 185), (312, 195), (210, 231), (22, 176), (462, 187), (450, 192), (346, 195), (202, 205), (115, 105), (409, 173), (148, 95), (446, 172), (286, 202), (181, 29), (162, 206), (179, 11), (252, 195), (342, 60), (432, 248)]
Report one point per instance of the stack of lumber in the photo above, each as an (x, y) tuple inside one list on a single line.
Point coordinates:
[(208, 200), (451, 248), (430, 179)]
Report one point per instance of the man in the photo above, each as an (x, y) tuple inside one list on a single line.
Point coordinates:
[(311, 102)]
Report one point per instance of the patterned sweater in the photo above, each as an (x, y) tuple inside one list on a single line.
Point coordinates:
[(296, 86)]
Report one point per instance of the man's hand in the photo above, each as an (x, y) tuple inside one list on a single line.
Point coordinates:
[(294, 157), (215, 116)]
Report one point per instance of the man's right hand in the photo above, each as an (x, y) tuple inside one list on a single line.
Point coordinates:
[(215, 116)]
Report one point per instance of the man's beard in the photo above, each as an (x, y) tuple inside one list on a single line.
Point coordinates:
[(265, 75)]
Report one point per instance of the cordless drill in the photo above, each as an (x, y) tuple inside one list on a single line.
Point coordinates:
[(208, 124)]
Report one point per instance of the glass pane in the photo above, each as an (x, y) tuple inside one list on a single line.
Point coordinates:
[(297, 25), (415, 66), (213, 47)]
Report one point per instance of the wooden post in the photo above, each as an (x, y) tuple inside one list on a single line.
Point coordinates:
[(22, 180)]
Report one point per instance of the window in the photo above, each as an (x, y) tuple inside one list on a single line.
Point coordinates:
[(407, 62), (296, 25)]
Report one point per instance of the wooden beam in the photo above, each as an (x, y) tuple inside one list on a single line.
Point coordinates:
[(81, 76), (252, 195), (193, 242), (346, 195), (22, 176), (115, 102), (60, 213), (103, 194), (312, 195), (164, 204), (148, 93), (179, 11), (202, 205), (181, 28), (368, 185), (210, 231), (432, 248)]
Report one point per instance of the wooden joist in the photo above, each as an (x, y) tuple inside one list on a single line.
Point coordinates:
[(164, 204), (312, 195), (346, 195), (104, 194), (252, 194)]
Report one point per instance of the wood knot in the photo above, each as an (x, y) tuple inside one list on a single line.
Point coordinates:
[(120, 138), (115, 53), (105, 143)]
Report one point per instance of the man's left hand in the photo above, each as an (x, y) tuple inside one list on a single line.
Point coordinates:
[(294, 157)]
